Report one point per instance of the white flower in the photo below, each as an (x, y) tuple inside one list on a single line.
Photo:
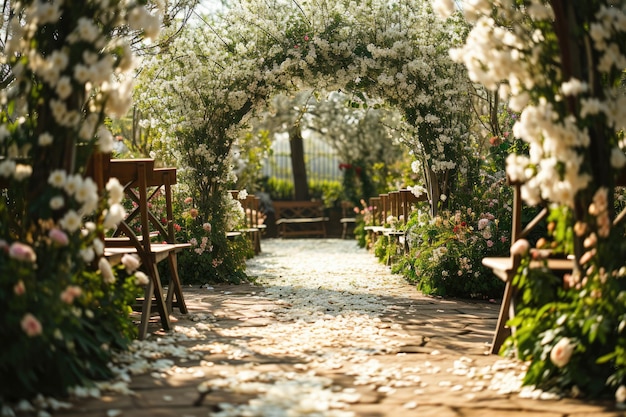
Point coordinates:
[(107, 272), (116, 191), (71, 221), (82, 73), (98, 246), (130, 262), (72, 182), (573, 87), (444, 8), (105, 139), (7, 168), (87, 30), (618, 159), (57, 202), (45, 139), (141, 279), (620, 394), (114, 215), (64, 87), (22, 171), (562, 352), (57, 178), (87, 254)]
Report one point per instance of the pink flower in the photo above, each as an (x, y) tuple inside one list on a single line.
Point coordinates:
[(562, 352), (71, 292), (30, 325), (489, 243), (306, 37), (22, 252), (59, 237), (19, 288), (188, 200), (193, 213), (520, 247), (503, 239), (207, 227)]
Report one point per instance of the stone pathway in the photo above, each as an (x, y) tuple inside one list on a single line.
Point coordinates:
[(325, 331)]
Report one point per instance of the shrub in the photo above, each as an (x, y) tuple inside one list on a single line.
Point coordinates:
[(446, 253)]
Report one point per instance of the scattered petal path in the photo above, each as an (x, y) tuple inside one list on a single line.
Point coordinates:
[(325, 330)]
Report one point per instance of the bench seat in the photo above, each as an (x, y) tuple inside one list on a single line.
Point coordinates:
[(300, 218)]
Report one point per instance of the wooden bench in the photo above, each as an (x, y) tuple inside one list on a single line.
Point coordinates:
[(347, 220), (254, 225), (142, 182), (397, 205), (300, 218), (506, 268)]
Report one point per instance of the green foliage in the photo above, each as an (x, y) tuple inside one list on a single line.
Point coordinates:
[(590, 316), (213, 256), (279, 189), (327, 191)]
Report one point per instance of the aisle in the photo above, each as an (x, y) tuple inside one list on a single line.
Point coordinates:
[(325, 330)]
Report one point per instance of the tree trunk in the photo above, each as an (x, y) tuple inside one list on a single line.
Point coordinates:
[(432, 185), (298, 167)]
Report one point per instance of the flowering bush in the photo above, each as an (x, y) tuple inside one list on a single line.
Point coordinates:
[(62, 309), (213, 257), (446, 252), (561, 67)]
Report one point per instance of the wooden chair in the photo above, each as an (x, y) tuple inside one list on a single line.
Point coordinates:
[(505, 268), (138, 176), (347, 220), (253, 224)]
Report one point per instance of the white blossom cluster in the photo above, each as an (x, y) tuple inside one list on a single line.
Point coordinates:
[(61, 84), (508, 49)]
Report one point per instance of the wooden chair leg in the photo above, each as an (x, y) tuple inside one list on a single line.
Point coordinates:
[(502, 331), (146, 310), (175, 287), (160, 299)]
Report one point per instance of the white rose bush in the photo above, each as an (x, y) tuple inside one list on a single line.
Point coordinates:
[(561, 66), (63, 307)]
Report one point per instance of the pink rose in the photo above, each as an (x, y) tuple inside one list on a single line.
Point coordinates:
[(59, 237), (193, 213), (188, 200), (489, 243), (207, 227), (22, 252), (71, 292), (520, 247), (30, 325), (19, 288), (562, 352)]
